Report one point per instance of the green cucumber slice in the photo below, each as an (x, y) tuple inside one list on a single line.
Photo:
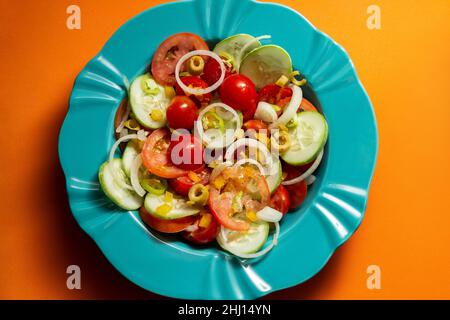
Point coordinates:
[(143, 103), (233, 45), (129, 154), (112, 180), (245, 242), (266, 64), (307, 138), (180, 207), (275, 177)]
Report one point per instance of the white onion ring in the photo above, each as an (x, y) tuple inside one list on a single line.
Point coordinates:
[(141, 135), (198, 126), (265, 112), (252, 161), (244, 48), (250, 143), (291, 109), (269, 214), (259, 253), (310, 180), (134, 176), (199, 91), (124, 119), (307, 173)]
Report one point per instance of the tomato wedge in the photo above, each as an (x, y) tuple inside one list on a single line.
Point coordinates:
[(298, 191), (255, 195), (170, 51), (183, 184), (156, 158), (202, 235), (166, 225)]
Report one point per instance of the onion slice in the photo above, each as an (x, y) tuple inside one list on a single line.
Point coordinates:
[(259, 253), (291, 109), (141, 135), (199, 91), (307, 173), (269, 214), (251, 143), (265, 112), (198, 126), (251, 161), (124, 119), (134, 175)]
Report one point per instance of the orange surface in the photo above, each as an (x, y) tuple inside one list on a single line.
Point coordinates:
[(404, 67)]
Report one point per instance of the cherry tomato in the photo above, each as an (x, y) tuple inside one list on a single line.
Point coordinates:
[(195, 82), (281, 96), (202, 235), (269, 93), (170, 51), (186, 152), (156, 158), (166, 225), (297, 192), (280, 200), (212, 71), (239, 92), (181, 113), (221, 202), (182, 184)]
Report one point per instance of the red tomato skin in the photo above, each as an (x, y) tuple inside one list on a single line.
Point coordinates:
[(190, 152), (281, 200), (163, 225), (158, 161), (170, 51), (181, 113), (269, 93), (195, 82), (239, 92), (212, 72), (297, 192), (203, 235), (182, 184)]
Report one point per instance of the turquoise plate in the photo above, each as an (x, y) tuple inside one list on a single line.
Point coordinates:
[(334, 206)]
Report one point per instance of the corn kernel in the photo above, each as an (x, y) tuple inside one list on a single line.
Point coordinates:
[(194, 177), (282, 81), (205, 221), (168, 197), (157, 115), (169, 92), (163, 209), (251, 215)]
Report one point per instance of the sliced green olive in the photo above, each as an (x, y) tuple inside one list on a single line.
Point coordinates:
[(199, 194), (195, 65)]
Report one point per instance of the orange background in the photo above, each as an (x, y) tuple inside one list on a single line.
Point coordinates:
[(404, 67)]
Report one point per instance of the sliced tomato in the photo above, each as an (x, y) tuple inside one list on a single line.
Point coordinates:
[(170, 51), (307, 106), (166, 225), (202, 235), (182, 184), (256, 125), (255, 196), (155, 156), (297, 192), (281, 96), (280, 200)]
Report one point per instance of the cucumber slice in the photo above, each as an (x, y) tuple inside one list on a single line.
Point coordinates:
[(307, 138), (274, 178), (245, 242), (130, 153), (266, 64), (233, 45), (112, 180), (142, 103), (180, 207)]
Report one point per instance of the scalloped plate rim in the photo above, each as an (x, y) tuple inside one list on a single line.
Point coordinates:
[(292, 282)]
